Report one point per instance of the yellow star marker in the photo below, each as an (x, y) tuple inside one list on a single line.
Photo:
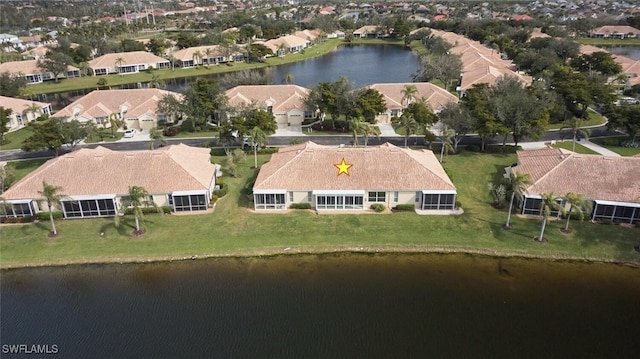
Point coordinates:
[(343, 167)]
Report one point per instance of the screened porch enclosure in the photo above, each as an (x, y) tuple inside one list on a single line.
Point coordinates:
[(269, 200), (616, 211), (89, 207), (432, 200)]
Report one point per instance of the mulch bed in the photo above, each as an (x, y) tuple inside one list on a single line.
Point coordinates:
[(53, 235), (136, 233)]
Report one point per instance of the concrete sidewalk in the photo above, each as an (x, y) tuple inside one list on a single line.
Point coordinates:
[(597, 148), (387, 130)]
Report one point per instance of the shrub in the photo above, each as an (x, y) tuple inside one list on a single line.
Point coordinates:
[(44, 216), (405, 207), (213, 199), (473, 148), (378, 207), (218, 152), (268, 150), (222, 191), (458, 204), (148, 210), (167, 209), (171, 131), (295, 141), (300, 206)]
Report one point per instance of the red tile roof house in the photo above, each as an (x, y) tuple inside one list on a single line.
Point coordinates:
[(285, 44), (20, 112), (127, 63), (615, 32), (354, 178), (612, 183), (435, 96), (285, 102), (208, 55), (32, 73), (95, 180), (137, 107)]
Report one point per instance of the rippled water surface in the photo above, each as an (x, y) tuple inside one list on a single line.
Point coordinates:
[(352, 306)]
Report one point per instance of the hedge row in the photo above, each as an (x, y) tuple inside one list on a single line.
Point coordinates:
[(300, 206), (378, 207)]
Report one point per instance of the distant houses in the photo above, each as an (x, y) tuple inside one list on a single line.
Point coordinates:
[(138, 108), (351, 179), (395, 100), (32, 73), (127, 63)]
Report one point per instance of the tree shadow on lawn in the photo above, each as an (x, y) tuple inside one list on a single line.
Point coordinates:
[(245, 199)]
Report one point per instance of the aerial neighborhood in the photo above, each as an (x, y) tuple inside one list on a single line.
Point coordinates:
[(519, 114)]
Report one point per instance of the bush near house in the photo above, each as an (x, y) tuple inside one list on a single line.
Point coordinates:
[(378, 207), (405, 207), (171, 131), (25, 219), (300, 206), (44, 216)]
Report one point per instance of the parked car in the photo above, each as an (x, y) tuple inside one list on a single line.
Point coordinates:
[(129, 133), (247, 142)]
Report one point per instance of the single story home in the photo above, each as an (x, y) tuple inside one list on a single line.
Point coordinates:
[(368, 31), (206, 55), (615, 32), (395, 100), (354, 178), (23, 111), (137, 107), (612, 183), (285, 102), (127, 63), (285, 44), (94, 181), (32, 73)]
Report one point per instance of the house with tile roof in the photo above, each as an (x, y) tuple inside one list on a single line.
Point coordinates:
[(353, 178), (368, 31), (285, 44), (94, 181), (127, 63), (21, 112), (206, 55), (285, 102), (32, 73), (138, 108), (612, 183), (615, 32), (435, 97)]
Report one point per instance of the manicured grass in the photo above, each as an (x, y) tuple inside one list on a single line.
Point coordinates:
[(13, 140), (104, 135), (24, 167), (568, 145), (609, 42), (233, 229), (595, 119), (613, 144)]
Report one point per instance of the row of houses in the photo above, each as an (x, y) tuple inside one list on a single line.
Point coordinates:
[(480, 64), (630, 67)]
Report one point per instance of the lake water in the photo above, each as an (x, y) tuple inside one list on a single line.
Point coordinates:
[(629, 51), (361, 65), (351, 306)]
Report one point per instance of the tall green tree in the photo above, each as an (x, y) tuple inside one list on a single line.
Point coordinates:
[(155, 135), (408, 125), (53, 197), (445, 68), (409, 94), (577, 204), (626, 118), (576, 126), (10, 85), (357, 127), (55, 62), (458, 119), (445, 137), (518, 183), (370, 103), (4, 122), (137, 197)]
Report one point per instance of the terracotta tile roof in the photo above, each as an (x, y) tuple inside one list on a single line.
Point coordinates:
[(102, 103), (288, 41), (489, 75), (435, 96), (26, 67), (367, 29), (590, 49), (187, 54), (594, 176), (18, 105), (284, 97), (611, 29), (103, 171), (130, 58), (309, 166)]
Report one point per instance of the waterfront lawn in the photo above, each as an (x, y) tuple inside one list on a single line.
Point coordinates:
[(608, 42), (233, 229), (13, 140), (613, 144), (568, 145)]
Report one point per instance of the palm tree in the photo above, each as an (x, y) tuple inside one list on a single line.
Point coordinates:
[(155, 135), (548, 203), (115, 123), (288, 79), (33, 109), (208, 52), (409, 94), (447, 145), (367, 130), (53, 197), (574, 124), (155, 82), (409, 126), (197, 56), (356, 126), (518, 183), (577, 204), (119, 62), (137, 198), (258, 138)]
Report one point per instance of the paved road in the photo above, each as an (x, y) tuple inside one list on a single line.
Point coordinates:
[(12, 155)]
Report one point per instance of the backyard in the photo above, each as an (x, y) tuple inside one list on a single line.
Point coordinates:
[(234, 229)]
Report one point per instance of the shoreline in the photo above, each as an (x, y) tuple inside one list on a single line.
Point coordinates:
[(288, 251)]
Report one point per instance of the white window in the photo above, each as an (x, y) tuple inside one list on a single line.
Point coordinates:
[(395, 196)]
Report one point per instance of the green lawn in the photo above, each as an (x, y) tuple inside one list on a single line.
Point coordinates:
[(568, 145), (24, 167), (595, 119), (613, 144), (13, 140), (609, 42), (232, 229), (104, 135)]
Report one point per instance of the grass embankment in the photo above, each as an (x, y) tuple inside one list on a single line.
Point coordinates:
[(608, 42), (232, 229), (568, 145), (613, 144)]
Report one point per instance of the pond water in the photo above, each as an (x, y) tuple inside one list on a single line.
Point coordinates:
[(343, 305), (361, 65), (629, 51)]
